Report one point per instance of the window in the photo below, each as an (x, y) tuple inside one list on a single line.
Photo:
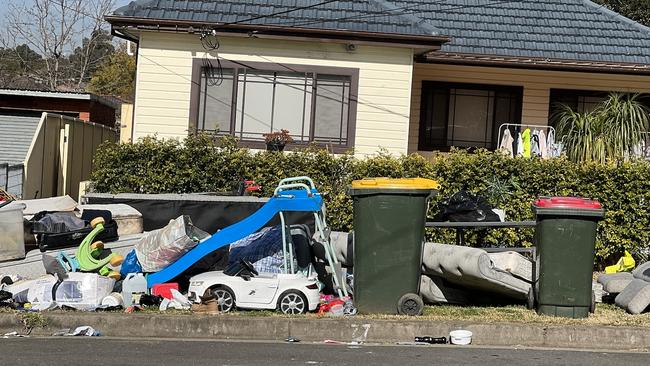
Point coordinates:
[(465, 115), (579, 100), (246, 101)]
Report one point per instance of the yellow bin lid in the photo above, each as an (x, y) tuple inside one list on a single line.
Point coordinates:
[(392, 183)]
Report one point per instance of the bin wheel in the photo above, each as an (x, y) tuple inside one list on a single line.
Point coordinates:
[(410, 304), (96, 221), (530, 301), (592, 306)]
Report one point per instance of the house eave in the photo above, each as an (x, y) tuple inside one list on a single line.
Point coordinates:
[(420, 42), (535, 63)]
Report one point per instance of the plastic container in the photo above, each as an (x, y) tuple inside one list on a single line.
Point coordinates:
[(565, 237), (12, 234), (83, 291), (164, 290), (460, 337), (114, 299), (389, 220), (133, 286)]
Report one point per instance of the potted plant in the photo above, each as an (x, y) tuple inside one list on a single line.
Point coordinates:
[(275, 141)]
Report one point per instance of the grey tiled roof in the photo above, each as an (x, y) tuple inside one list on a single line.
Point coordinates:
[(569, 29), (338, 15), (566, 29)]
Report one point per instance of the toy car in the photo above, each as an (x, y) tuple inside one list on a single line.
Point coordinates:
[(241, 286)]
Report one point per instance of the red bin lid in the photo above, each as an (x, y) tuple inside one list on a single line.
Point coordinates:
[(568, 202)]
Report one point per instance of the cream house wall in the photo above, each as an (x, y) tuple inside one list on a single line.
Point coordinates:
[(537, 85), (164, 75)]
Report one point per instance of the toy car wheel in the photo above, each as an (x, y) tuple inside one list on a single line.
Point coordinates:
[(225, 298), (117, 260), (292, 302), (115, 275), (96, 221), (410, 304), (98, 245)]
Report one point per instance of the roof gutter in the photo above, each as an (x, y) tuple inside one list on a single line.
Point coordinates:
[(432, 42), (534, 63)]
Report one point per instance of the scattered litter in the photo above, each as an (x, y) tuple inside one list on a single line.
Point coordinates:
[(360, 333), (431, 340), (14, 334), (331, 341), (292, 340), (82, 331)]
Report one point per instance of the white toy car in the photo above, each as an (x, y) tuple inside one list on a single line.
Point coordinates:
[(241, 286)]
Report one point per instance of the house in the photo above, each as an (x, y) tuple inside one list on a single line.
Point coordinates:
[(85, 106), (407, 76)]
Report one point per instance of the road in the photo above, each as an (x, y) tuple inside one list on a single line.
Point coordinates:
[(75, 351)]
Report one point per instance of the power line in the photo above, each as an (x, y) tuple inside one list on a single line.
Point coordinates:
[(283, 12), (413, 9)]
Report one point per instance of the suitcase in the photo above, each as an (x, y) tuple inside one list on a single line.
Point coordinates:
[(61, 238)]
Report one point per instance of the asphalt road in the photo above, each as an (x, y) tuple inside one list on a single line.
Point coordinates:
[(107, 351)]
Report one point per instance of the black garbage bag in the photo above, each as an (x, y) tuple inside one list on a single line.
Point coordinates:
[(464, 206)]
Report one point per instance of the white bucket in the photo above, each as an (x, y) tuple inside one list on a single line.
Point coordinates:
[(460, 337)]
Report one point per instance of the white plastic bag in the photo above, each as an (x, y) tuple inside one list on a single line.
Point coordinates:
[(159, 248)]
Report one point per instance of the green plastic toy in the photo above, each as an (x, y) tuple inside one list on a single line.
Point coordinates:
[(89, 253)]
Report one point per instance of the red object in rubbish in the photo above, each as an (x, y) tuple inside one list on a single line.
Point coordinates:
[(251, 186), (568, 202), (164, 290)]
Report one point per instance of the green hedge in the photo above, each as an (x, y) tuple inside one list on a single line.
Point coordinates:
[(202, 164)]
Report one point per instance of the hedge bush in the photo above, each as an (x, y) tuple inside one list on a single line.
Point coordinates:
[(204, 164)]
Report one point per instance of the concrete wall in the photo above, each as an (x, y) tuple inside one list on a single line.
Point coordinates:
[(537, 85), (162, 104), (61, 155)]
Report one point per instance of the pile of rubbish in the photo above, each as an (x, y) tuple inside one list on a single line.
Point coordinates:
[(97, 258)]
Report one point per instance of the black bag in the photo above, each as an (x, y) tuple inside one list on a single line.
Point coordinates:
[(463, 206), (56, 230)]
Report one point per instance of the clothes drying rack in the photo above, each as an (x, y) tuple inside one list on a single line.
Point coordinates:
[(502, 129)]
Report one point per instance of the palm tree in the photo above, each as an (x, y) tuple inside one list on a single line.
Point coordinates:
[(611, 131)]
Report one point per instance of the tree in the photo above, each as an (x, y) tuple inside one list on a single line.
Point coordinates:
[(17, 65), (611, 131), (53, 28), (116, 76), (638, 10), (86, 59)]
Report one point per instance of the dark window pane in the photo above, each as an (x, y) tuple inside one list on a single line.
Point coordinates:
[(215, 103), (466, 115)]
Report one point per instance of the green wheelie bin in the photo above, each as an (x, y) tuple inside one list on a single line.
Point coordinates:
[(389, 221), (565, 237)]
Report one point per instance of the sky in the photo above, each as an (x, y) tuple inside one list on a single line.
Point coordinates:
[(3, 8)]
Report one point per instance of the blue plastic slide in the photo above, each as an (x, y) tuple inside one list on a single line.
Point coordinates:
[(303, 200)]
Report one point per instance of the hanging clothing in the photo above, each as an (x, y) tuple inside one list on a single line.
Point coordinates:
[(520, 145), (542, 145), (534, 144), (554, 149), (506, 143), (526, 142)]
